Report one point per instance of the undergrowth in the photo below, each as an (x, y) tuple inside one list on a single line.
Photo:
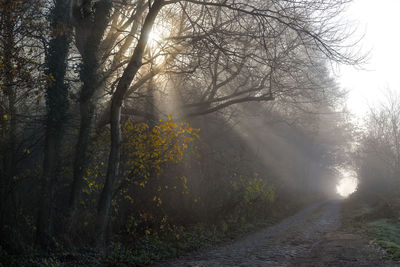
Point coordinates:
[(157, 248), (142, 251), (369, 219)]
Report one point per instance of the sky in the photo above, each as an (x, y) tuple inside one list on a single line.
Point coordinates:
[(379, 22), (348, 183)]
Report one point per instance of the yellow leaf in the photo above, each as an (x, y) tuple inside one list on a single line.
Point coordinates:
[(5, 117), (154, 198), (169, 117), (148, 232)]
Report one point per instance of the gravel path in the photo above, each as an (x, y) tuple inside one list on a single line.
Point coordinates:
[(309, 238)]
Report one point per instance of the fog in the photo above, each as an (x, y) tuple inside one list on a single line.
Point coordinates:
[(374, 25), (347, 184), (175, 125)]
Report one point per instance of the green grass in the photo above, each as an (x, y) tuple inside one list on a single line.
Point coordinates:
[(387, 234), (361, 217)]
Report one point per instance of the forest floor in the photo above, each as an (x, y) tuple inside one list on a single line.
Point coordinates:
[(312, 237)]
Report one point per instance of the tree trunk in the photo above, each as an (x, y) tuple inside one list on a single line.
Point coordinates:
[(8, 115), (57, 107), (45, 217), (116, 102), (91, 83), (81, 158)]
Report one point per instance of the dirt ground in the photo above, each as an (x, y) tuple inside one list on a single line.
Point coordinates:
[(312, 237)]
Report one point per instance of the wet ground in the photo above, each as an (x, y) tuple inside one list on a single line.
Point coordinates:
[(312, 237)]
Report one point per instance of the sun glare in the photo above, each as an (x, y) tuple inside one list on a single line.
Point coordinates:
[(347, 185), (158, 34)]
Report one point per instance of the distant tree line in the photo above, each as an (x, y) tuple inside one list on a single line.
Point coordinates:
[(378, 156)]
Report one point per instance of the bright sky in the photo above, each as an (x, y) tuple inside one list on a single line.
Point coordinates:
[(347, 186), (348, 183), (379, 20)]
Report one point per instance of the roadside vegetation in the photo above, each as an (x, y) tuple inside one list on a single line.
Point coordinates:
[(387, 235), (373, 219), (161, 242), (375, 208)]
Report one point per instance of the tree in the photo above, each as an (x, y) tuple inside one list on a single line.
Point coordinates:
[(109, 79), (20, 90), (299, 26), (90, 26), (56, 113), (380, 147), (115, 115)]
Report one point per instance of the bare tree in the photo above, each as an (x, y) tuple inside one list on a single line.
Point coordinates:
[(383, 137), (237, 37), (116, 103)]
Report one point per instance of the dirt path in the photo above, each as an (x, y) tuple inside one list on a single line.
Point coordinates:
[(309, 238)]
